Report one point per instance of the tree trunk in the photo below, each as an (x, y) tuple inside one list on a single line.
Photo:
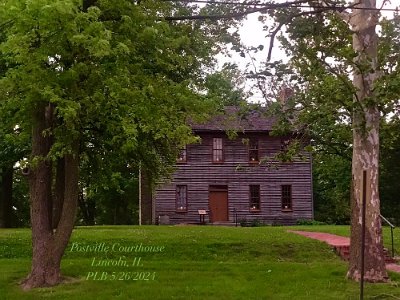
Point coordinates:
[(48, 244), (146, 199), (366, 149), (6, 182), (88, 209), (45, 271), (59, 191)]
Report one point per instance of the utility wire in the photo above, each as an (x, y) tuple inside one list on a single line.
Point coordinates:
[(289, 6)]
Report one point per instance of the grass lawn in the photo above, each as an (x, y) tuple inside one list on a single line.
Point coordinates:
[(191, 262)]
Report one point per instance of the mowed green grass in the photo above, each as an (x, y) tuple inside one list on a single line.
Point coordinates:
[(197, 262)]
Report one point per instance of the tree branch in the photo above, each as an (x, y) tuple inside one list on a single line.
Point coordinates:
[(265, 8), (383, 4), (215, 17), (237, 14), (342, 79), (272, 39), (290, 17), (257, 79), (340, 11)]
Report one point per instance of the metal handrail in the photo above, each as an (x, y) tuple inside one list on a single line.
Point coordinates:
[(387, 221), (236, 216), (391, 231)]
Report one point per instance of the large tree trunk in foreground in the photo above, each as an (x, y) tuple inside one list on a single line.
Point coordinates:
[(59, 190), (48, 244), (6, 183), (366, 149)]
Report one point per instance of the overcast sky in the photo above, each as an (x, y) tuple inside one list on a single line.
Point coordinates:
[(252, 35)]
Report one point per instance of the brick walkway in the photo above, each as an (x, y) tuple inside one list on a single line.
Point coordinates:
[(341, 245)]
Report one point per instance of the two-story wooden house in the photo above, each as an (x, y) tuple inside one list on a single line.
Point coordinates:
[(236, 177)]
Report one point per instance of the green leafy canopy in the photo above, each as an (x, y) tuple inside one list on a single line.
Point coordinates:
[(120, 79)]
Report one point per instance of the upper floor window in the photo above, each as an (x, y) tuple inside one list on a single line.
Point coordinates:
[(254, 197), (287, 197), (182, 157), (253, 150), (181, 198), (217, 151)]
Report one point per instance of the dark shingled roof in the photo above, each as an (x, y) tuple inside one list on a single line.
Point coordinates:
[(242, 119)]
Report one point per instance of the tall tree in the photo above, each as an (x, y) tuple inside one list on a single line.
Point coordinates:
[(390, 169), (6, 180), (14, 145), (366, 120), (96, 80), (226, 86), (329, 46)]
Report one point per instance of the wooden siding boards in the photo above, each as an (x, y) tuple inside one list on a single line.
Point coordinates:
[(199, 172)]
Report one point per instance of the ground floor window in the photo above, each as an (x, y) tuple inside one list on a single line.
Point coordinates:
[(287, 197), (181, 198), (254, 197)]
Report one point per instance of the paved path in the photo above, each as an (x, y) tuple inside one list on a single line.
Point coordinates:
[(331, 239), (338, 241)]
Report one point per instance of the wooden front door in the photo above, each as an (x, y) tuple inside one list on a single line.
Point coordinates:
[(218, 203)]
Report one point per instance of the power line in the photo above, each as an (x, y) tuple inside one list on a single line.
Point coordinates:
[(288, 6)]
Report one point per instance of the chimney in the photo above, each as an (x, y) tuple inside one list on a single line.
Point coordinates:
[(284, 95)]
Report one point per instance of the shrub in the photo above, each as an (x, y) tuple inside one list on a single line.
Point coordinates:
[(309, 222)]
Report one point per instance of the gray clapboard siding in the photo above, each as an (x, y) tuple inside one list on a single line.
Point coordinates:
[(199, 172)]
